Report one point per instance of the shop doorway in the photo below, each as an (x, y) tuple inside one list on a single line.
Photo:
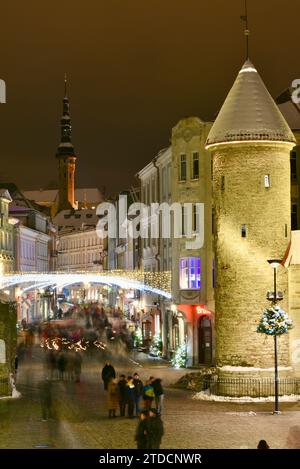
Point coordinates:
[(204, 340)]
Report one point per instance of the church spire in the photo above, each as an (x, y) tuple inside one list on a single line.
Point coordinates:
[(65, 147), (66, 159)]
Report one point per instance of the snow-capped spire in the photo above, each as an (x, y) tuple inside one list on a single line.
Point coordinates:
[(249, 113)]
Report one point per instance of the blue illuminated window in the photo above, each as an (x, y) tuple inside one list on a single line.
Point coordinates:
[(189, 273)]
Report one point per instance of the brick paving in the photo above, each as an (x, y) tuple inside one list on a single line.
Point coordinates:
[(81, 421)]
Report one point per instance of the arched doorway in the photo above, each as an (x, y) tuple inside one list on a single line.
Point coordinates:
[(204, 340)]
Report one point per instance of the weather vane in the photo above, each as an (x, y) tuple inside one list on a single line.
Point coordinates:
[(246, 31)]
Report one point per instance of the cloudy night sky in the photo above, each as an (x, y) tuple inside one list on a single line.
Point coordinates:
[(134, 69)]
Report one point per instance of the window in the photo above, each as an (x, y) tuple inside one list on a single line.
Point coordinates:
[(77, 215), (182, 175), (293, 165), (244, 231), (267, 181), (195, 165), (222, 183), (294, 217), (189, 271)]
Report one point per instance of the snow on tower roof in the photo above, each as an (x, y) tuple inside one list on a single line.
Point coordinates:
[(249, 113)]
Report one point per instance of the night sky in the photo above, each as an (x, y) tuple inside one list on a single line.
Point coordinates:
[(135, 67)]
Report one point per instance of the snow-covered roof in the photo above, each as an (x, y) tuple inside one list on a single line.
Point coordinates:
[(249, 113), (89, 195)]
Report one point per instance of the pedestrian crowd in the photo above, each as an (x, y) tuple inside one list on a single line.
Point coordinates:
[(131, 397)]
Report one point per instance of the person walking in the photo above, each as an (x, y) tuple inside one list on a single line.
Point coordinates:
[(112, 397), (154, 430), (141, 431), (108, 372), (46, 399), (122, 394), (159, 394), (138, 392)]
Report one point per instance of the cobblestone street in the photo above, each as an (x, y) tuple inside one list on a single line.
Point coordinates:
[(81, 420)]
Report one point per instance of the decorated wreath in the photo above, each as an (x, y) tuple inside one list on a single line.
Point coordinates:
[(274, 321)]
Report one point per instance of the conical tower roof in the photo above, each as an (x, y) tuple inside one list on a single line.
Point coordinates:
[(249, 113)]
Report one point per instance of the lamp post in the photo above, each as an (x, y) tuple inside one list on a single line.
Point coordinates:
[(275, 263)]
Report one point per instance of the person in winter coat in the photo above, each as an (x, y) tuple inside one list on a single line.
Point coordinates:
[(112, 397), (154, 430), (141, 431), (148, 394), (138, 392), (158, 393), (130, 396), (122, 394), (108, 372)]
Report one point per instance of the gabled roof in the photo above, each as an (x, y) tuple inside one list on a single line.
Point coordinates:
[(249, 113)]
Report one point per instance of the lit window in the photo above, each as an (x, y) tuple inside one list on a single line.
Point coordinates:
[(182, 168), (267, 181), (195, 165), (244, 231), (189, 271)]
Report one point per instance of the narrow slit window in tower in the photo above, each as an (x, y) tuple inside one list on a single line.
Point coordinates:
[(244, 231)]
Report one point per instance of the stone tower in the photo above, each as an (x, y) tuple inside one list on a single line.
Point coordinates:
[(66, 160), (250, 143)]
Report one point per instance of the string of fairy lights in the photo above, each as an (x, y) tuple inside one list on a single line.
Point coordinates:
[(155, 282)]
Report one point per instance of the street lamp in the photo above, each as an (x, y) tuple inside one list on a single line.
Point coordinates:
[(275, 263)]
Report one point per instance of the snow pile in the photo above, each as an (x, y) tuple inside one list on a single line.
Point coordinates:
[(206, 396), (251, 368)]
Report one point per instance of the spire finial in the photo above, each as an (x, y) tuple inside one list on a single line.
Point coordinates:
[(246, 30), (65, 85)]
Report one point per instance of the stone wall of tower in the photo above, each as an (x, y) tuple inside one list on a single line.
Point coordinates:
[(243, 275), (66, 182)]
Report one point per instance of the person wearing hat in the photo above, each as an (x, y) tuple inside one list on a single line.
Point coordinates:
[(154, 429)]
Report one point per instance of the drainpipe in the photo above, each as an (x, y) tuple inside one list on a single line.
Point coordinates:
[(157, 256)]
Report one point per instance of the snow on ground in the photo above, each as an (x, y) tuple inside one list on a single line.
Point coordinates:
[(206, 396)]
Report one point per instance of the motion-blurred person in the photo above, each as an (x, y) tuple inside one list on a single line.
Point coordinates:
[(112, 397), (155, 430), (77, 366), (122, 394), (108, 372), (159, 394), (141, 431), (138, 392), (46, 399)]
